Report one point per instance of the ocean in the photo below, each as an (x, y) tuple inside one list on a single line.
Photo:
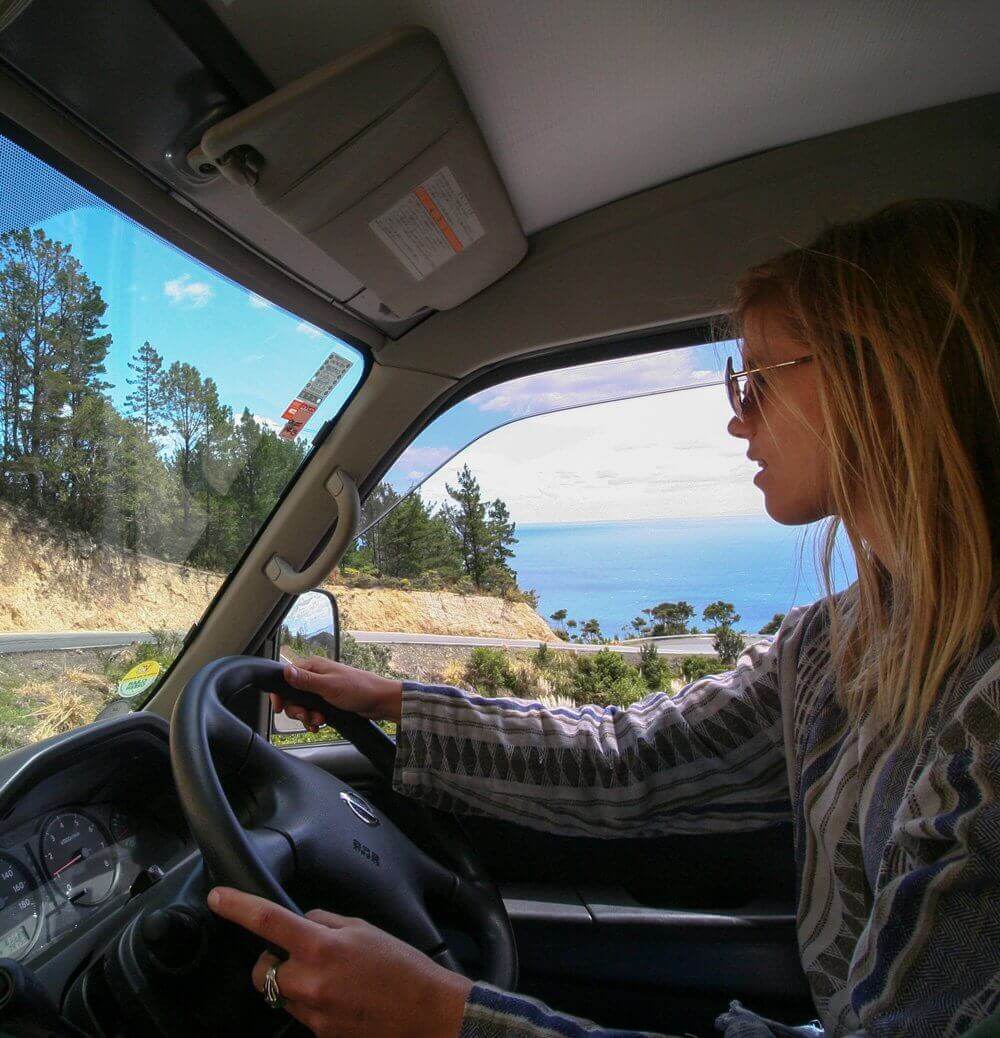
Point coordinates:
[(614, 570)]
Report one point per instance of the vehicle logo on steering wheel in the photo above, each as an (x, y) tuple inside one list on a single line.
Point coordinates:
[(360, 807)]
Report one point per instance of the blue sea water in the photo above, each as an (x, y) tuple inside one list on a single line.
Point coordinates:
[(614, 570)]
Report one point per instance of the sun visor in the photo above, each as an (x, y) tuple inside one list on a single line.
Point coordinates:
[(377, 160)]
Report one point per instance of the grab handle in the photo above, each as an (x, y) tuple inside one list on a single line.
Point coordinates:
[(285, 576)]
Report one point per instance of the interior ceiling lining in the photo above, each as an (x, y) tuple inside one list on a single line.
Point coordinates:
[(675, 251), (586, 101)]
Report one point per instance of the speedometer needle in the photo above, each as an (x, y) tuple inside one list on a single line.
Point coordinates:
[(62, 868)]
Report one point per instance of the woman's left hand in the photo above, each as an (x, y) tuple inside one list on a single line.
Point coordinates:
[(345, 977)]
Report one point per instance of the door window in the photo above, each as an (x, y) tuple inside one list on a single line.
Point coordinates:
[(598, 540)]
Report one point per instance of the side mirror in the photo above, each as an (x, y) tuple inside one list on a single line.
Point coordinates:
[(310, 628)]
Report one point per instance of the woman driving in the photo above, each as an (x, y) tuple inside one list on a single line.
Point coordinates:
[(870, 394)]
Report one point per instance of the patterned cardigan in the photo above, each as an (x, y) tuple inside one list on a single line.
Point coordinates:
[(897, 841)]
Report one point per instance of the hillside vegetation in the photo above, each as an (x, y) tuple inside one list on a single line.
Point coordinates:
[(51, 580)]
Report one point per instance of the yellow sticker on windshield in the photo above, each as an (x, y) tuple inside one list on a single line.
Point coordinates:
[(140, 677)]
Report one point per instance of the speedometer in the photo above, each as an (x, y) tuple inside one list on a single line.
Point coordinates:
[(20, 911), (78, 858)]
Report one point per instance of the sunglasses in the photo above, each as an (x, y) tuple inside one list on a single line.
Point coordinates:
[(742, 399)]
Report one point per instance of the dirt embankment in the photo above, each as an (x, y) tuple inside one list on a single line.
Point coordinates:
[(438, 612), (53, 581)]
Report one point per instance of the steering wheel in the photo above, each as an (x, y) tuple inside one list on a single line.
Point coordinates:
[(312, 830)]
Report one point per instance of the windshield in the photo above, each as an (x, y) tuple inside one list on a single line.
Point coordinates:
[(151, 413)]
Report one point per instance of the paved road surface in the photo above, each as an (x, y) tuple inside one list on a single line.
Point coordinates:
[(676, 646), (51, 642)]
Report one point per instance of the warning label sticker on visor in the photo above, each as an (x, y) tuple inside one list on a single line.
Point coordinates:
[(430, 225)]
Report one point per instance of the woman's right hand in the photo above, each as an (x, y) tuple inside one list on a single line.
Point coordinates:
[(369, 695)]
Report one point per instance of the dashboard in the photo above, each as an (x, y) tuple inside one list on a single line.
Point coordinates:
[(88, 822), (60, 868)]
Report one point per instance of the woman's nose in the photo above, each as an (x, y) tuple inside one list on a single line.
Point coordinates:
[(738, 427)]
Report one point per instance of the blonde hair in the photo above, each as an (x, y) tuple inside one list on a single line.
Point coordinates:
[(901, 311)]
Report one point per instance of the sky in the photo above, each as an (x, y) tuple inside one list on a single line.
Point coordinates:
[(259, 355), (653, 456), (660, 456)]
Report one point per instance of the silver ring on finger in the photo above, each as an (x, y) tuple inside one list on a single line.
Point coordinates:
[(272, 993)]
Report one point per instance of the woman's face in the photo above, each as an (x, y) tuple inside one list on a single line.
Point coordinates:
[(783, 426)]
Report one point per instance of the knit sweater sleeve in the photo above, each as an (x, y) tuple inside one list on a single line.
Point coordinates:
[(710, 758), (492, 1013)]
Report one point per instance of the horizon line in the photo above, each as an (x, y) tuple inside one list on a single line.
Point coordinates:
[(649, 519)]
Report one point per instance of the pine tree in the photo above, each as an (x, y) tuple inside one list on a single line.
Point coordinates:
[(500, 529), (720, 614), (146, 404), (264, 464), (184, 401), (592, 630), (52, 354), (468, 519), (670, 618)]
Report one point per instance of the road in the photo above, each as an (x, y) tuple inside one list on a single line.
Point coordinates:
[(680, 645), (44, 641)]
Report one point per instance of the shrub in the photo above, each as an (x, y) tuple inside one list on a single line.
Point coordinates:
[(451, 673), (374, 658), (728, 644), (543, 656), (606, 679), (654, 668), (555, 701), (489, 670), (695, 667), (527, 682)]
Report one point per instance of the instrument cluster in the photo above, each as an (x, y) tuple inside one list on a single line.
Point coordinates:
[(65, 866)]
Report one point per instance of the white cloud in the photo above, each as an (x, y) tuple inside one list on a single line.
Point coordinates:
[(259, 302), (182, 291), (253, 358), (648, 458), (416, 462), (308, 329), (269, 423), (592, 382)]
